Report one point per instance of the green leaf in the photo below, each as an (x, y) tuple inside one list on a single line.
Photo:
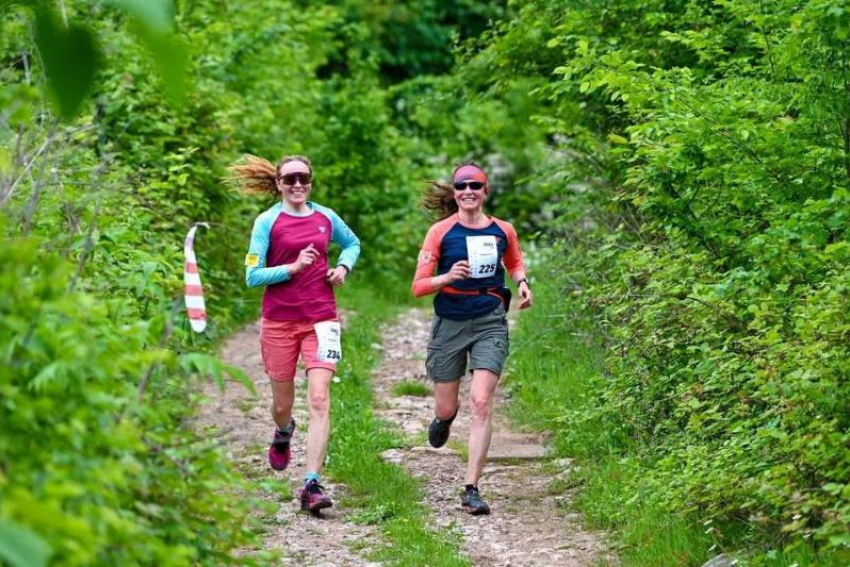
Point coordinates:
[(21, 547), (210, 366), (171, 54), (240, 376), (71, 57), (156, 15)]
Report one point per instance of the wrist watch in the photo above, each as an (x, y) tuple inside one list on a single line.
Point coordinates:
[(524, 280)]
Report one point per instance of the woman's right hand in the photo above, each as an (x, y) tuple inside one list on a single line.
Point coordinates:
[(460, 271), (305, 258)]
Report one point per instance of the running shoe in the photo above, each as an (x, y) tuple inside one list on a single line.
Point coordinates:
[(312, 499), (438, 431), (472, 502), (280, 451)]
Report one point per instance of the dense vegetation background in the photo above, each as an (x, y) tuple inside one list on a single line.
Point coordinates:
[(682, 165)]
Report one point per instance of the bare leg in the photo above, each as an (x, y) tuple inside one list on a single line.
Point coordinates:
[(319, 402), (481, 403), (283, 395), (445, 398)]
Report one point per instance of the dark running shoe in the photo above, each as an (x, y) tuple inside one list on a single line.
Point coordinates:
[(312, 499), (472, 502), (280, 451), (438, 431)]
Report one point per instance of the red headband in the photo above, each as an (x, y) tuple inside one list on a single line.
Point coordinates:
[(473, 172)]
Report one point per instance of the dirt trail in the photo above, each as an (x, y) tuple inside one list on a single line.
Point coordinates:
[(528, 526), (303, 539)]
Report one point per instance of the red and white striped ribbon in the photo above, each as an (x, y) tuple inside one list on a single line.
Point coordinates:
[(194, 293)]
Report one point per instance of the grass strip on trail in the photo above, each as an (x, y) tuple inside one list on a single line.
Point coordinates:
[(383, 492)]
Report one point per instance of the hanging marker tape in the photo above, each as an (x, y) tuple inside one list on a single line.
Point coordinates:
[(193, 292)]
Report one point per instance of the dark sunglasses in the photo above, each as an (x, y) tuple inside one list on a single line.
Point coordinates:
[(293, 178), (474, 185)]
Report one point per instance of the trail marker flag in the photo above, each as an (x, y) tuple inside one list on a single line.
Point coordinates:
[(193, 291)]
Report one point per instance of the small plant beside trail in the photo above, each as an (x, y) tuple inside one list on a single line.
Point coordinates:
[(411, 388)]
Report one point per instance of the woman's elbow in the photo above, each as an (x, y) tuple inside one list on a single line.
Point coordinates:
[(420, 289)]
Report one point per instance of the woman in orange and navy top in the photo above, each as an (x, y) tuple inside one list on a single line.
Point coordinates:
[(470, 253)]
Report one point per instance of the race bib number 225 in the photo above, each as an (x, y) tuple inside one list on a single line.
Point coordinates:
[(483, 255)]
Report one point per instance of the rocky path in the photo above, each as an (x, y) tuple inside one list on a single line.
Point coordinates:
[(302, 539), (528, 525)]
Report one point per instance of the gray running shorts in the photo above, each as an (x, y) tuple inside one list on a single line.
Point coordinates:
[(483, 340)]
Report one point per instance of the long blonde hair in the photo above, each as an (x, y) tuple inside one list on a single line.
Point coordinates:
[(256, 176)]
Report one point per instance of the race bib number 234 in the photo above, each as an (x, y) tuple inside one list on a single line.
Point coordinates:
[(330, 343)]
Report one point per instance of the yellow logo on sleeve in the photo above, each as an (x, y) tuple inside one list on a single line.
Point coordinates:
[(252, 260)]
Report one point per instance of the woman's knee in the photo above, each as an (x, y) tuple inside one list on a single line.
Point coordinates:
[(481, 406), (445, 409), (280, 410), (319, 402)]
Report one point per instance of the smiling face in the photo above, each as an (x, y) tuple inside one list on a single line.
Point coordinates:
[(294, 181), (470, 188), (470, 200)]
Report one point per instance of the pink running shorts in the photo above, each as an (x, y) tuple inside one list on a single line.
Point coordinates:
[(282, 342)]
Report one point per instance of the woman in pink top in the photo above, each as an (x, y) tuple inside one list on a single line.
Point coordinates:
[(288, 254)]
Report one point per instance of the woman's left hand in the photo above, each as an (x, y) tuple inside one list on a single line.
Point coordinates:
[(526, 297), (336, 276)]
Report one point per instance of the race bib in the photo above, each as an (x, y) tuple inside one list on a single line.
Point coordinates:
[(330, 344), (483, 255)]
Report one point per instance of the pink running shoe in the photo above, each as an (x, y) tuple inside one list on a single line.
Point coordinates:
[(312, 499), (280, 451)]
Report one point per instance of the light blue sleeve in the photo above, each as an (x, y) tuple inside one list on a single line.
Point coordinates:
[(256, 272), (345, 237)]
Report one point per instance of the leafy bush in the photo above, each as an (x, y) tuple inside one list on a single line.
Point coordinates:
[(700, 156), (89, 459)]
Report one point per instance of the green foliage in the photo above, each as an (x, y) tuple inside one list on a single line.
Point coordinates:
[(409, 39), (99, 472), (701, 164)]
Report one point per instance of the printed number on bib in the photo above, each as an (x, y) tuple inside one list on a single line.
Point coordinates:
[(483, 255), (330, 345)]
